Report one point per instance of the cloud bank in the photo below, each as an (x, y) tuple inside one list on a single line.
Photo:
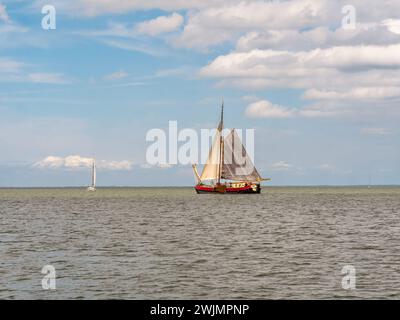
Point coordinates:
[(161, 24), (77, 162)]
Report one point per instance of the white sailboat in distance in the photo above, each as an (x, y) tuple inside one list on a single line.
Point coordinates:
[(93, 186)]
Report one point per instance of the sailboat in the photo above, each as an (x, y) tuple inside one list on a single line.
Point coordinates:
[(222, 164), (93, 186)]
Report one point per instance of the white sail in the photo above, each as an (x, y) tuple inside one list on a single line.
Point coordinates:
[(211, 168), (93, 186), (94, 175)]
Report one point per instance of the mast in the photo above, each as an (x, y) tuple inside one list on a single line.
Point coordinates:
[(221, 143), (222, 116), (93, 175)]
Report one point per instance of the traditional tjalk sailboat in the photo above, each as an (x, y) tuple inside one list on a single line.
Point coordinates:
[(93, 186), (222, 164)]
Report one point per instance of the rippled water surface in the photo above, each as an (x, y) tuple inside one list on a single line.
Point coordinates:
[(150, 243)]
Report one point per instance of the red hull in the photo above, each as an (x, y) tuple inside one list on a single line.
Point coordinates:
[(254, 189)]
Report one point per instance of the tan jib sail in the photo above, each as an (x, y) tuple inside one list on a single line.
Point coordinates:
[(211, 168), (237, 164)]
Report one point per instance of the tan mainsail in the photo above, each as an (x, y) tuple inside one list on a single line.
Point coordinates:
[(237, 164)]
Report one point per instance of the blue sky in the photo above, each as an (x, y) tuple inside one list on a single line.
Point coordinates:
[(323, 98)]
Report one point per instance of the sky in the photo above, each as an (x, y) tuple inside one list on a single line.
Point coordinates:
[(318, 80)]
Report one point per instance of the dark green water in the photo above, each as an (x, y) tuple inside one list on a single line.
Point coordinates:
[(150, 243)]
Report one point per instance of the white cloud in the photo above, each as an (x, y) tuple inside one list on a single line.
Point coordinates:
[(354, 94), (10, 66), (125, 37), (100, 7), (281, 166), (174, 72), (326, 167), (213, 22), (195, 37), (116, 76), (265, 109), (73, 162), (135, 47), (159, 25), (302, 45), (160, 166), (276, 44), (296, 65), (217, 24), (349, 80), (392, 25), (3, 14), (50, 162), (376, 131), (16, 71), (115, 165), (113, 29), (13, 35), (76, 162), (320, 37), (322, 109), (50, 78), (12, 29), (296, 24)]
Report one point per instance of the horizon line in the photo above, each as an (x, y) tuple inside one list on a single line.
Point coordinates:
[(186, 186)]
